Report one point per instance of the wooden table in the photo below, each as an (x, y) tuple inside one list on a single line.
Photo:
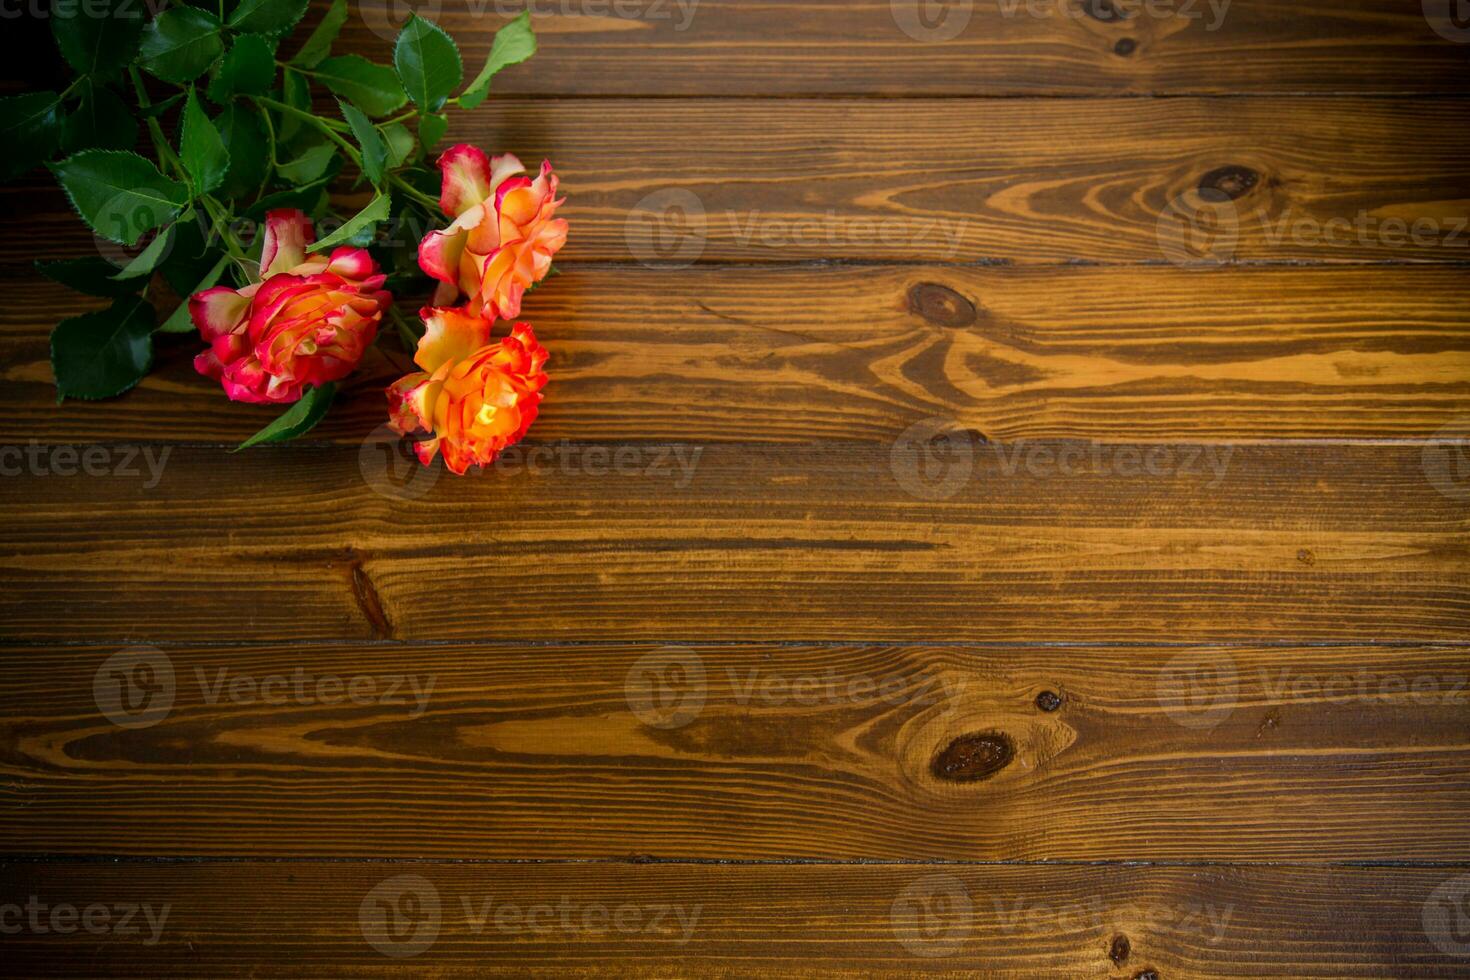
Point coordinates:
[(997, 510)]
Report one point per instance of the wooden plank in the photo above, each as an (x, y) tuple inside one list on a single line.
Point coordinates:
[(834, 541), (751, 752), (997, 47), (1018, 180), (803, 354), (260, 919)]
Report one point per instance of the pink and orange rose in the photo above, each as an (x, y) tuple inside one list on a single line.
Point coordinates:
[(504, 234), (307, 322), (474, 396)]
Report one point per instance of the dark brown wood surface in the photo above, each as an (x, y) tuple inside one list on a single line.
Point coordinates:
[(949, 547)]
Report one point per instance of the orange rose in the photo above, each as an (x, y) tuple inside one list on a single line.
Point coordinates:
[(503, 236), (474, 397)]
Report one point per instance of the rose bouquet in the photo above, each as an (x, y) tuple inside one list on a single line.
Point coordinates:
[(275, 233)]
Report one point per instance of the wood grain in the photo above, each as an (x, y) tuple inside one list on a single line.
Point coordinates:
[(750, 752), (546, 920), (774, 47), (836, 541), (972, 180), (807, 354)]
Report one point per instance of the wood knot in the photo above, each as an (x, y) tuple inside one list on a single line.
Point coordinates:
[(1232, 180), (971, 758), (1125, 46), (1119, 950), (1306, 557), (1106, 11), (941, 305), (1048, 700)]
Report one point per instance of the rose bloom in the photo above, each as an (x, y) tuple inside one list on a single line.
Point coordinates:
[(474, 397), (307, 323), (503, 236)]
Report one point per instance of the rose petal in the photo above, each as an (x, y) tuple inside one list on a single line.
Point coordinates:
[(287, 233), (218, 311)]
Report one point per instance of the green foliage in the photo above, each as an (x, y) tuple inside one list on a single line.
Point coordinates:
[(100, 121), (297, 420), (267, 16), (428, 63), (120, 195), (374, 150), (513, 44), (377, 211), (248, 69), (180, 44), (373, 88), (319, 45), (99, 355), (30, 129), (202, 148), (98, 39)]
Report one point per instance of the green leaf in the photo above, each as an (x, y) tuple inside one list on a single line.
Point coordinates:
[(514, 43), (401, 144), (377, 210), (119, 194), (267, 16), (374, 152), (319, 44), (309, 166), (296, 93), (98, 355), (181, 43), (191, 256), (428, 63), (248, 69), (30, 131), (373, 88), (302, 198), (297, 420), (201, 147), (101, 121), (92, 275), (180, 321), (431, 131), (98, 38), (244, 139), (147, 260)]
